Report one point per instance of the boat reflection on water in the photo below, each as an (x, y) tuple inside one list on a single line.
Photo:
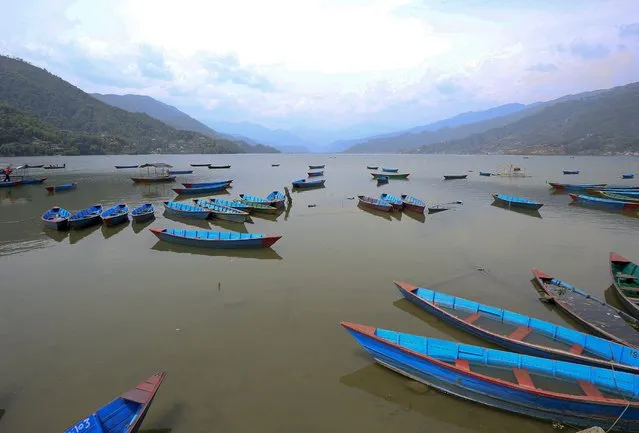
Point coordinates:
[(203, 224), (267, 216), (108, 232), (139, 227), (435, 406), (529, 212), (76, 235), (252, 253), (417, 216), (56, 235), (230, 226), (377, 213)]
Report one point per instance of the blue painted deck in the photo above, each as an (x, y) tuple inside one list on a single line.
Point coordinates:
[(217, 207), (391, 199), (185, 210), (603, 202), (56, 218), (409, 199), (143, 212), (304, 183), (233, 204), (86, 216), (254, 199)]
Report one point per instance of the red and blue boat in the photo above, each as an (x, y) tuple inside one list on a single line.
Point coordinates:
[(144, 212), (604, 202), (413, 203), (571, 171), (305, 183), (509, 201), (126, 413), (211, 239), (523, 334), (204, 184), (222, 212), (8, 184), (86, 217), (374, 203), (56, 218), (577, 186), (396, 202), (547, 389), (116, 214), (277, 199), (186, 211)]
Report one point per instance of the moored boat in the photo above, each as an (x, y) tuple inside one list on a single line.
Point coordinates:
[(213, 183), (628, 176), (86, 217), (305, 183), (571, 171), (116, 214), (201, 189), (382, 180), (126, 413), (485, 173), (7, 184), (32, 181), (391, 175), (375, 203), (620, 196), (253, 199), (390, 170), (144, 212), (522, 334), (396, 202), (234, 204), (604, 202), (222, 212), (56, 218), (55, 167), (199, 165), (601, 318), (413, 203), (277, 199), (211, 239), (217, 167), (372, 167), (625, 278), (556, 391), (275, 165), (154, 179), (186, 211), (455, 176), (160, 173), (523, 203), (315, 173), (180, 171), (315, 167), (437, 208), (256, 207), (63, 187), (575, 187), (121, 167)]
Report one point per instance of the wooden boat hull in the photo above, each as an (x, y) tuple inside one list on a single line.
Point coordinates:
[(315, 173), (376, 204), (121, 167), (143, 217), (277, 199), (199, 165), (390, 170), (622, 358), (382, 180), (437, 209), (200, 214), (601, 318), (571, 171), (245, 240), (371, 167), (257, 207), (454, 380), (391, 175), (315, 167), (200, 190), (627, 176), (604, 203), (625, 278), (413, 204), (575, 187), (484, 173), (153, 179), (180, 172), (455, 176), (218, 167), (115, 215), (394, 201), (54, 167), (206, 184), (235, 205), (125, 414), (64, 187), (619, 197), (505, 201), (223, 212), (56, 218), (308, 185), (32, 181), (10, 184)]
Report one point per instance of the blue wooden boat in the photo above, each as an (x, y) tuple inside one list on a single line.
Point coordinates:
[(305, 183), (601, 318), (455, 176), (258, 207), (201, 189), (413, 203), (625, 278), (315, 173), (396, 202), (86, 217), (212, 183), (180, 171), (523, 203), (126, 413), (116, 214), (571, 171), (372, 167), (277, 199), (390, 170), (628, 176), (604, 202), (485, 173), (576, 187), (222, 212), (186, 211), (390, 175), (315, 167), (210, 239), (382, 180), (121, 167), (56, 218), (32, 181), (5, 184), (234, 204), (63, 187), (523, 334), (253, 199), (619, 197), (556, 391), (374, 203), (623, 192), (144, 212)]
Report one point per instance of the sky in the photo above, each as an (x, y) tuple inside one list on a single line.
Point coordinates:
[(329, 64)]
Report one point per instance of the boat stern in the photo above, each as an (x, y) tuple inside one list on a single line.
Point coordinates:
[(269, 240)]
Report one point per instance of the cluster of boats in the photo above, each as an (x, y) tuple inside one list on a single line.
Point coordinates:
[(548, 372), (386, 174), (58, 218), (619, 197)]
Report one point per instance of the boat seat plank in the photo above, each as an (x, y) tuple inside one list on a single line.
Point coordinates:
[(590, 390), (520, 333), (625, 276), (472, 318), (576, 349), (462, 364), (523, 378)]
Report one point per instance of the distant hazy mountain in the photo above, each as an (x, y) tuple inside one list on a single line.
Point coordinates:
[(386, 142), (174, 117), (273, 137), (592, 123)]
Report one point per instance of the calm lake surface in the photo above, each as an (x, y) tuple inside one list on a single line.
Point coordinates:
[(251, 340)]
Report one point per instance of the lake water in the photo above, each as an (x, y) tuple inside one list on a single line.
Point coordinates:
[(251, 340)]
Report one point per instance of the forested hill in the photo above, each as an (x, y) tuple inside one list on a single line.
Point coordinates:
[(49, 115), (599, 123)]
